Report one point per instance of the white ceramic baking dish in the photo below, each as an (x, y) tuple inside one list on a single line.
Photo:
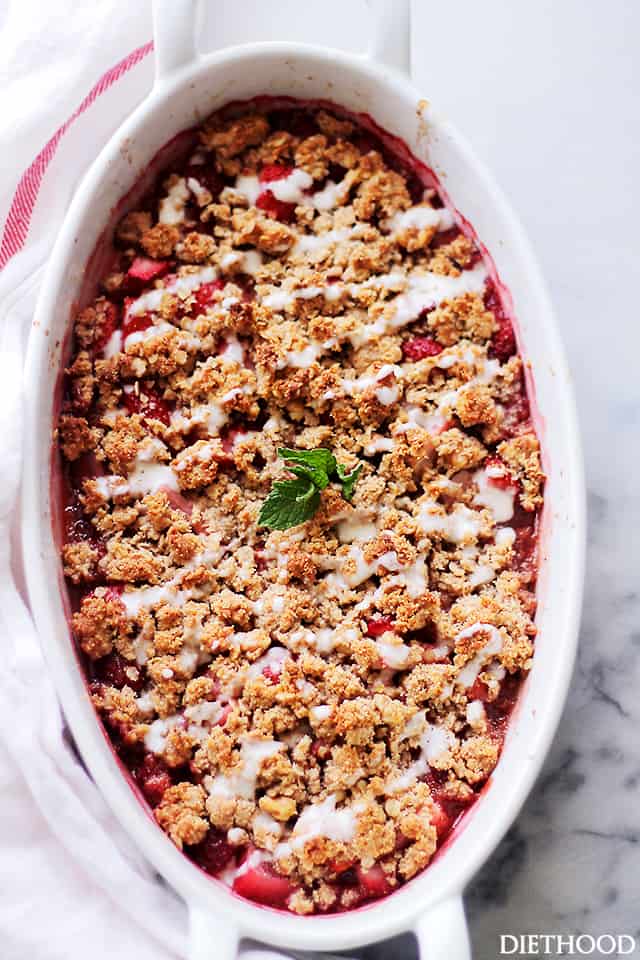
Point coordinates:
[(187, 88)]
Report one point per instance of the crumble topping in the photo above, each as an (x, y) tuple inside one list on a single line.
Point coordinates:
[(308, 711)]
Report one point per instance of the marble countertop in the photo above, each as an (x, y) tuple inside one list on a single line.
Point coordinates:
[(558, 124)]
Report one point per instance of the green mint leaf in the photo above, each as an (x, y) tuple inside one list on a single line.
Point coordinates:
[(319, 464), (292, 502), (289, 503), (317, 477), (348, 480)]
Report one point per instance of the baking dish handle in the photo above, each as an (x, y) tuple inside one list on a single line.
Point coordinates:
[(174, 35), (390, 34), (213, 937), (442, 932), (210, 935)]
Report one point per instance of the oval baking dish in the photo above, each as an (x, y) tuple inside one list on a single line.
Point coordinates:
[(190, 88)]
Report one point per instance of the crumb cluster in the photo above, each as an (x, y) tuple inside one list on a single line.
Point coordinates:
[(308, 711)]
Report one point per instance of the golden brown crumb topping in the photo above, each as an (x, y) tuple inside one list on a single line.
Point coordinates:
[(313, 706)]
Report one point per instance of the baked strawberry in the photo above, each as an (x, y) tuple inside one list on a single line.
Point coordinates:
[(373, 882), (148, 402), (145, 269), (118, 672), (274, 171), (271, 674), (262, 885), (379, 625), (444, 237), (441, 820), (498, 474), (416, 188), (503, 341), (214, 853), (428, 634), (277, 209), (203, 297), (478, 691), (516, 414), (336, 173), (420, 347), (135, 323), (77, 527), (153, 778)]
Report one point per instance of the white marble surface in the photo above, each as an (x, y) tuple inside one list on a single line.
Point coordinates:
[(549, 93)]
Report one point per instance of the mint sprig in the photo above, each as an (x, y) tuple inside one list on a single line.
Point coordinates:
[(291, 502), (348, 480)]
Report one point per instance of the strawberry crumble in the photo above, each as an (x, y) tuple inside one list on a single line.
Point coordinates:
[(308, 711)]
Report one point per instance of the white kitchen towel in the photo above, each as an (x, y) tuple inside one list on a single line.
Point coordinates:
[(70, 72), (72, 882)]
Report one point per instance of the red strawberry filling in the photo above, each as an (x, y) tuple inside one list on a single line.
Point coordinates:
[(277, 209), (274, 171), (299, 122), (214, 853), (262, 885), (498, 474), (145, 269), (373, 882), (153, 777), (379, 625), (203, 297), (135, 323), (146, 400), (479, 691), (420, 347), (78, 527), (516, 414), (118, 672), (525, 545), (441, 820), (271, 674), (86, 467), (503, 342)]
